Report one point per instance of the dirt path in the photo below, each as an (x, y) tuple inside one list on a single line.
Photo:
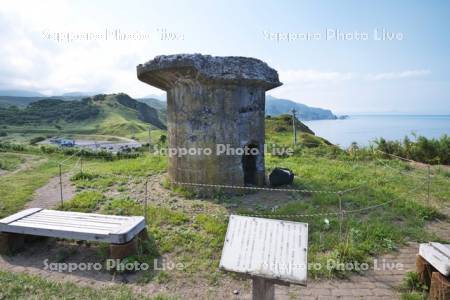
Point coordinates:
[(379, 283), (49, 195)]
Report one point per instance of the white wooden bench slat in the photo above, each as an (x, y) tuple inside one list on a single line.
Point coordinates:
[(61, 227), (438, 255), (74, 225), (113, 221), (66, 234), (20, 215), (73, 214), (74, 221)]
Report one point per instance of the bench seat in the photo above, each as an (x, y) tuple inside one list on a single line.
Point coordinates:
[(438, 255), (74, 225)]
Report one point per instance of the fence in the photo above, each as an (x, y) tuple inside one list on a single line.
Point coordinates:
[(339, 212)]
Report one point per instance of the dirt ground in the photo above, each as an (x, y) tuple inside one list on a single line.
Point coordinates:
[(49, 195)]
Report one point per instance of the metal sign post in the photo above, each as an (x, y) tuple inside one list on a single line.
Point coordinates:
[(269, 251)]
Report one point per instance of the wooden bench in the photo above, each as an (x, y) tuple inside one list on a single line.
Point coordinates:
[(122, 232), (433, 267)]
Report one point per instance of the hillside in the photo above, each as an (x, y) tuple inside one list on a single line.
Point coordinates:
[(276, 106), (116, 114), (279, 131), (159, 105)]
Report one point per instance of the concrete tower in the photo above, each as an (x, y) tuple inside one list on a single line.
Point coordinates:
[(213, 102)]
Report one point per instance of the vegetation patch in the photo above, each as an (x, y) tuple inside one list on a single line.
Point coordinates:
[(23, 286), (86, 201)]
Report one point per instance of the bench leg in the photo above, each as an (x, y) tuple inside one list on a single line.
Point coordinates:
[(11, 243), (425, 270), (440, 287), (120, 251)]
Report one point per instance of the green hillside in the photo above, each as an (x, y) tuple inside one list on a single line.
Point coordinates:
[(279, 131), (115, 114)]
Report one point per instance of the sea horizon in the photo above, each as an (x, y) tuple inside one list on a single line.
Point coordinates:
[(365, 128)]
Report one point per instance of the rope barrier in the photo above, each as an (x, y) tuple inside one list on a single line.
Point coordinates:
[(264, 188), (402, 158)]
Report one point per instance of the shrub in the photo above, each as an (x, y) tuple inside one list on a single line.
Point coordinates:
[(36, 140), (431, 151), (86, 201)]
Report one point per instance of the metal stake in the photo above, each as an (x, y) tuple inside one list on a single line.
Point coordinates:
[(145, 200), (341, 216), (429, 182), (81, 164), (60, 186)]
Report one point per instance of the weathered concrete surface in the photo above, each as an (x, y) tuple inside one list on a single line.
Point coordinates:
[(211, 101)]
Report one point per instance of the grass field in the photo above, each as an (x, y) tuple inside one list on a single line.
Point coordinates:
[(24, 286), (10, 161), (189, 230)]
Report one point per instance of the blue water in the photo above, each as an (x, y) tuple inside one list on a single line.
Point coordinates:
[(363, 129)]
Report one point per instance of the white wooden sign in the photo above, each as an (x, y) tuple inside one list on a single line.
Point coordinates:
[(267, 248)]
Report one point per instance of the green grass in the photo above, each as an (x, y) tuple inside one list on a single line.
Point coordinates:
[(24, 286), (86, 201), (195, 239), (10, 161), (17, 189), (412, 288)]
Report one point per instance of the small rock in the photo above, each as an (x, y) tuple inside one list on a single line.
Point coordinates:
[(236, 292)]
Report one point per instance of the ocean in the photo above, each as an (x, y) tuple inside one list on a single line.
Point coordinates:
[(363, 129)]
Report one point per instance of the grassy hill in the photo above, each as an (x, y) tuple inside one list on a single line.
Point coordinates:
[(116, 114), (279, 131), (276, 106)]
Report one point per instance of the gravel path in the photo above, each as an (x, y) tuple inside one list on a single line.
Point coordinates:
[(49, 195)]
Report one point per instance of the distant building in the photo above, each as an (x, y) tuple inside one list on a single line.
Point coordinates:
[(64, 142)]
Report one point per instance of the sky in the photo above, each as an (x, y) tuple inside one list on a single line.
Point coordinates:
[(347, 56)]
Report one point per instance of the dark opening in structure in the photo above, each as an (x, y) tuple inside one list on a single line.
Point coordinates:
[(249, 164)]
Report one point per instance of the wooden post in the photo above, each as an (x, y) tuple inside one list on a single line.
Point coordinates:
[(60, 186), (263, 289), (341, 215), (149, 139), (439, 287), (81, 164), (145, 200), (425, 270), (294, 127), (429, 182)]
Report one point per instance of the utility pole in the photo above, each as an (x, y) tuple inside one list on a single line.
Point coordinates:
[(294, 127)]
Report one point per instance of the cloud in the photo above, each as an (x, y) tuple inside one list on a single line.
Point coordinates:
[(316, 76), (28, 61), (399, 75)]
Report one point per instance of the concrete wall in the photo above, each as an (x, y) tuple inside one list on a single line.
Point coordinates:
[(203, 116)]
